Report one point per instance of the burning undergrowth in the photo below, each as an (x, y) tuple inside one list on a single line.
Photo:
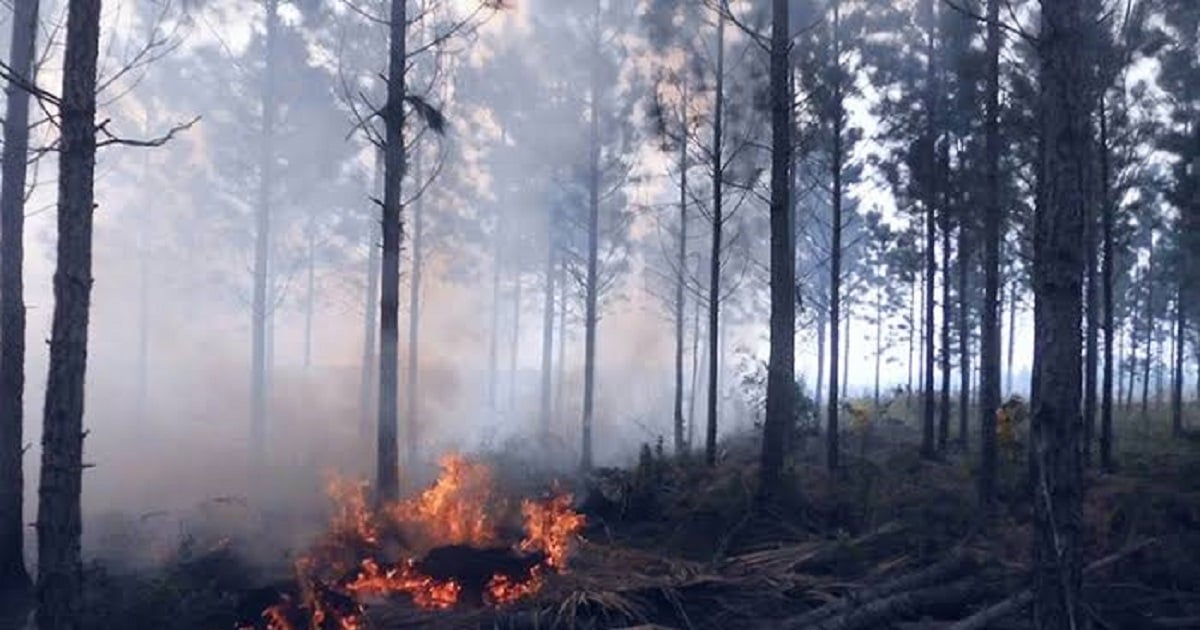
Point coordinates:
[(457, 543)]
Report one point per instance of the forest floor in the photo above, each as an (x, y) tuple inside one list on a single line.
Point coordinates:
[(890, 541)]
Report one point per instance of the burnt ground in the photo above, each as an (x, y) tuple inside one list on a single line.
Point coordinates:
[(891, 541)]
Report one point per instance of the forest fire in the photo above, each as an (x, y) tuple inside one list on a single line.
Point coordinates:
[(444, 547)]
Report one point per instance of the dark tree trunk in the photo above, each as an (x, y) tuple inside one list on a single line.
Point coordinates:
[(989, 332), (714, 269), (912, 327), (591, 287), (1058, 267), (947, 307), (1106, 388), (817, 393), (559, 402), (1092, 338), (681, 273), (1177, 376), (394, 167), (878, 346), (781, 382), (928, 450), (964, 332), (261, 307), (1012, 334), (412, 421), (370, 357), (60, 571), (832, 449), (691, 419), (13, 575), (548, 329), (1148, 278), (845, 355)]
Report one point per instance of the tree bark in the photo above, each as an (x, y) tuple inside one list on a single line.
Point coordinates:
[(681, 271), (1012, 334), (60, 571), (878, 345), (1058, 266), (928, 450), (781, 382), (714, 271), (1148, 278), (817, 393), (548, 328), (591, 288), (13, 576), (394, 167), (262, 245), (1106, 387), (1092, 335), (964, 332), (835, 248), (989, 334), (1177, 376), (943, 174)]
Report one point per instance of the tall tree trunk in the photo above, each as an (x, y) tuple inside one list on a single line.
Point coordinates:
[(835, 248), (60, 571), (989, 329), (878, 345), (1092, 331), (964, 333), (1012, 334), (681, 272), (592, 287), (1106, 387), (548, 329), (394, 167), (691, 419), (262, 245), (1058, 266), (1148, 278), (370, 358), (13, 575), (781, 381), (928, 450), (947, 308), (412, 421), (817, 393), (559, 402), (514, 340), (912, 326), (714, 272), (1177, 376)]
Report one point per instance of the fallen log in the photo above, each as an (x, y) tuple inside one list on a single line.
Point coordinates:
[(1020, 600), (905, 605), (932, 574)]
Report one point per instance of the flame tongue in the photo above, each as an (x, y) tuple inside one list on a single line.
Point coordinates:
[(456, 510)]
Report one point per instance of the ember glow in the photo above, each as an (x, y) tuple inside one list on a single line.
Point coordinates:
[(452, 524)]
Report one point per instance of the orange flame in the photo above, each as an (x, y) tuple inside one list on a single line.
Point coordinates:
[(458, 509)]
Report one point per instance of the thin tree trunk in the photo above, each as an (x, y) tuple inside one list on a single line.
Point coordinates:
[(1092, 339), (928, 450), (1012, 333), (691, 420), (387, 464), (412, 421), (832, 449), (1106, 388), (1177, 377), (845, 356), (1058, 267), (60, 570), (370, 358), (262, 246), (989, 334), (718, 220), (964, 333), (912, 325), (878, 345), (592, 287), (559, 401), (680, 272), (947, 311), (817, 394), (548, 328), (13, 576), (781, 382), (1148, 278)]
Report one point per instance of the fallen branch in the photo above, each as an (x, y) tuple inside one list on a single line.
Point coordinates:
[(902, 605), (1019, 601), (932, 574)]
